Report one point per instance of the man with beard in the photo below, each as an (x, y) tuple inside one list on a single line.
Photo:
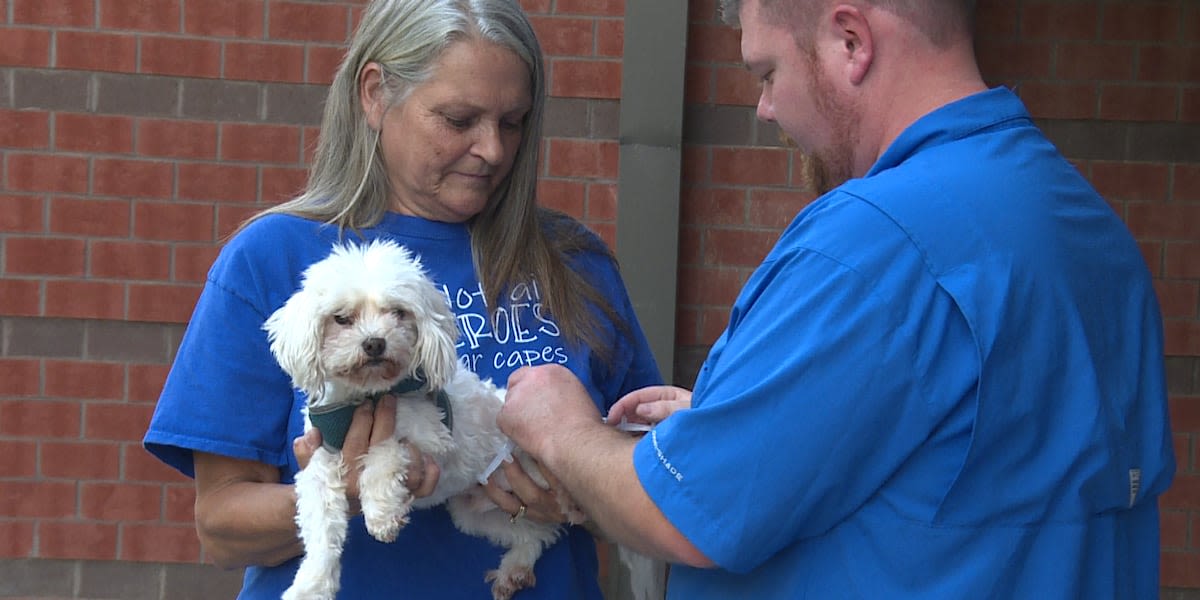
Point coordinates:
[(946, 379)]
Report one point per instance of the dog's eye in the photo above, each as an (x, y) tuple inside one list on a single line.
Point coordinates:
[(342, 320), (400, 313)]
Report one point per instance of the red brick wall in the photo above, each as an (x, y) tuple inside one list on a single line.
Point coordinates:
[(135, 134)]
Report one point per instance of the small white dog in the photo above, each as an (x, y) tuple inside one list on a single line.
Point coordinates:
[(367, 321)]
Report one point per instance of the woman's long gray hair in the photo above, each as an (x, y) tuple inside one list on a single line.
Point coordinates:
[(348, 182)]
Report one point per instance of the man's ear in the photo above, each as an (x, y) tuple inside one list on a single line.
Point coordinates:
[(857, 51), (372, 94)]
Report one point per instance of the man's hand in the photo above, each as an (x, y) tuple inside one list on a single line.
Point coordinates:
[(650, 405), (544, 402)]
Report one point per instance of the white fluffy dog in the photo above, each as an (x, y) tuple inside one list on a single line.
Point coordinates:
[(367, 321)]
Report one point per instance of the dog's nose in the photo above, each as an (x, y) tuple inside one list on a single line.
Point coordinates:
[(374, 347)]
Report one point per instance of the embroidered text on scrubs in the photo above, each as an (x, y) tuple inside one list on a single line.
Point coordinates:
[(663, 459)]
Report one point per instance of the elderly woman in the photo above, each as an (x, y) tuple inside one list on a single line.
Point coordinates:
[(430, 138)]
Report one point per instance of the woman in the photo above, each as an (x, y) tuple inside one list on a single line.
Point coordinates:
[(430, 137)]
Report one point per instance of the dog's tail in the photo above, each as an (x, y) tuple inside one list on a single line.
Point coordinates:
[(646, 577)]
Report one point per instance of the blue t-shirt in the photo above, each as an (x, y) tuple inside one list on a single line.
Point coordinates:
[(226, 395), (945, 381)]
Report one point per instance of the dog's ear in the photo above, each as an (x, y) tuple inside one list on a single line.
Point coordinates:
[(437, 333), (295, 332)]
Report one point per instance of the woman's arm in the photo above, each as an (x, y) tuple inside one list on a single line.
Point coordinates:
[(244, 516)]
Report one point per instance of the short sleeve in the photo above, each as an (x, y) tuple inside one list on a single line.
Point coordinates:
[(806, 405)]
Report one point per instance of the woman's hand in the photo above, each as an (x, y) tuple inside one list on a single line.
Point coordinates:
[(371, 425), (550, 504), (649, 405)]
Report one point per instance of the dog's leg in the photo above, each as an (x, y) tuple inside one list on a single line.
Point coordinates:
[(382, 489), (322, 512), (474, 514)]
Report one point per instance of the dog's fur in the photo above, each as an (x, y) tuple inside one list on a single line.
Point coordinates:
[(364, 319)]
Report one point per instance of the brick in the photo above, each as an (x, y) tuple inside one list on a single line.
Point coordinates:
[(24, 47), (120, 422), (260, 143), (610, 37), (241, 19), (1060, 100), (1179, 569), (600, 8), (84, 540), (712, 206), (1168, 64), (585, 78), (85, 380), (282, 183), (698, 83), (322, 63), (21, 214), (1185, 414), (47, 173), (16, 539), (714, 43), (91, 133), (46, 338), (534, 7), (1187, 183), (221, 100), (563, 36), (1181, 260), (1178, 299), (20, 459), (777, 208), (1141, 182), (1085, 61), (264, 62), (141, 15), (20, 297), (229, 218), (1189, 106), (294, 104), (1138, 103), (1060, 21), (737, 247), (60, 13), (179, 502), (1014, 60), (137, 95), (177, 139), (307, 22), (1174, 527), (20, 377), (577, 158), (80, 460), (1152, 253), (37, 499), (91, 217), (140, 465), (120, 501), (130, 580), (173, 221), (601, 202), (95, 51), (192, 262), (181, 57), (126, 342), (1182, 337), (85, 299), (562, 195), (43, 256), (750, 166), (28, 129), (714, 285), (146, 382), (133, 178), (1164, 221), (736, 86), (161, 303), (996, 19), (159, 543), (222, 183), (1137, 21), (129, 260)]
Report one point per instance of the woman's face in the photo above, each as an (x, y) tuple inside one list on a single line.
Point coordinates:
[(451, 142)]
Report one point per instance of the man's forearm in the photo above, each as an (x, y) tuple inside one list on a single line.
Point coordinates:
[(596, 466)]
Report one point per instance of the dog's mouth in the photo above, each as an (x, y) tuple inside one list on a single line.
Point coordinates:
[(377, 372)]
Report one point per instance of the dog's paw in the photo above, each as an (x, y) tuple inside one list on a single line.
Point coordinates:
[(504, 585), (385, 527), (298, 592)]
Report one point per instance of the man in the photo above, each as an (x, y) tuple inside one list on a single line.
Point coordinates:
[(946, 379)]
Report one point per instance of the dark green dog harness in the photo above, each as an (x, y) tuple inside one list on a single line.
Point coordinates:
[(334, 422)]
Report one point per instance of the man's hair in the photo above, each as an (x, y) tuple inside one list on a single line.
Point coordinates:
[(940, 20)]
